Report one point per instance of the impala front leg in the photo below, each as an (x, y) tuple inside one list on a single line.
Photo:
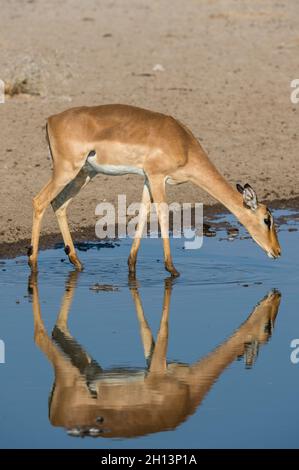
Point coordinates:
[(157, 187), (144, 210)]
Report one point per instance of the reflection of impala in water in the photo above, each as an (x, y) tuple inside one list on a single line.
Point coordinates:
[(87, 400)]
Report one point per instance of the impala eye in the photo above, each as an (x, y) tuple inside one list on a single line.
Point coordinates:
[(268, 222)]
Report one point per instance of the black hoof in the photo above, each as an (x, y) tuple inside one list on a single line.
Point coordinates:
[(172, 271), (67, 250), (30, 250), (175, 274)]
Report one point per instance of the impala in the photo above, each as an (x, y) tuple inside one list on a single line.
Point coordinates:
[(120, 139), (87, 400)]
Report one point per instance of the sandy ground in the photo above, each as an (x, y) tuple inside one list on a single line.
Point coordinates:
[(226, 72)]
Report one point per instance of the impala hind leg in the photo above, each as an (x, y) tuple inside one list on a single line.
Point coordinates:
[(144, 210), (157, 188), (60, 204), (40, 204)]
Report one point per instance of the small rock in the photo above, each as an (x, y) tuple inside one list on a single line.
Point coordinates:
[(104, 287), (207, 232), (93, 432), (158, 68), (232, 231)]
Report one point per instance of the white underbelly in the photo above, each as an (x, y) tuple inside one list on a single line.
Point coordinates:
[(113, 170)]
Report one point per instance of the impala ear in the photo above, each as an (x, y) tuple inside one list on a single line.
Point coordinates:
[(240, 188), (250, 197)]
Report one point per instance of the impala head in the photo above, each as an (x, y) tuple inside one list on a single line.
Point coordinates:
[(259, 222)]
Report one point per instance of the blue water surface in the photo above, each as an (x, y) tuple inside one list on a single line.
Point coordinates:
[(242, 395)]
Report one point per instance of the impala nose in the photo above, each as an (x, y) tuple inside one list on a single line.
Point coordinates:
[(274, 253)]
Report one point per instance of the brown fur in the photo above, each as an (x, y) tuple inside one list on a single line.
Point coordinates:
[(155, 143)]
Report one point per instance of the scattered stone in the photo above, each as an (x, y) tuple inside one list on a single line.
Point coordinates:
[(232, 231), (158, 68), (207, 232), (145, 74), (104, 288)]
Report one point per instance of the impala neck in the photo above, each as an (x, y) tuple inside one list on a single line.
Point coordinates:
[(206, 175)]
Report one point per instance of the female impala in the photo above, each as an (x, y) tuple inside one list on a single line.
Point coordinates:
[(119, 139), (87, 400)]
